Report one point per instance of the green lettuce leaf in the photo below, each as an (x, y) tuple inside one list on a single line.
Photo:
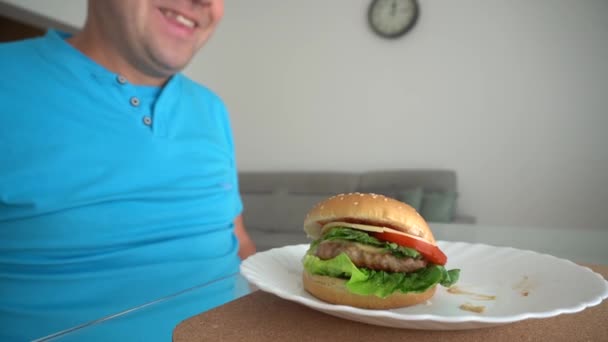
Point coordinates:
[(364, 281), (449, 277)]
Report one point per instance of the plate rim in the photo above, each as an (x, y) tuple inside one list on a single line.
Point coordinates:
[(467, 318)]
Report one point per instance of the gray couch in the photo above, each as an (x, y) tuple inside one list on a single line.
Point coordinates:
[(275, 203)]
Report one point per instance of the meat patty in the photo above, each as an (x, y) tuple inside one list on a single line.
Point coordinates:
[(368, 256)]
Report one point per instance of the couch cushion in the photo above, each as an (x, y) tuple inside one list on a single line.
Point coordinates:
[(266, 240), (413, 197), (276, 202), (438, 206), (391, 181), (293, 209), (329, 183), (278, 212), (279, 201), (259, 210)]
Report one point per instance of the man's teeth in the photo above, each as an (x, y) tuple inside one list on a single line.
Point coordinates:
[(179, 18), (185, 21)]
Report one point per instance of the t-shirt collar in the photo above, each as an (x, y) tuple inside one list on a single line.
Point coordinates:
[(67, 54)]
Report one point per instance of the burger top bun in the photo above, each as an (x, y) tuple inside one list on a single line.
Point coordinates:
[(368, 209)]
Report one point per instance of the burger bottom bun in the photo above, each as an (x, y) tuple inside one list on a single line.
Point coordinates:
[(333, 290)]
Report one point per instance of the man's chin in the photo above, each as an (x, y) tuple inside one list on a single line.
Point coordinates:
[(167, 67)]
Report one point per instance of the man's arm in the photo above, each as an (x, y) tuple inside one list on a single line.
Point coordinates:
[(246, 245)]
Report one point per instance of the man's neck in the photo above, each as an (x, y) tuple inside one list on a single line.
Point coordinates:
[(98, 49)]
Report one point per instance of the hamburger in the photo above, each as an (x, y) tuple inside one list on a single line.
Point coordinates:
[(371, 251)]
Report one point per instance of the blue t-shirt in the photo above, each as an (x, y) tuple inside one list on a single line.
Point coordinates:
[(111, 194)]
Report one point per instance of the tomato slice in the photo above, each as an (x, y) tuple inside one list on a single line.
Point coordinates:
[(430, 252)]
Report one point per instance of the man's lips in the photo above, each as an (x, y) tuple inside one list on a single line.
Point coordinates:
[(179, 18)]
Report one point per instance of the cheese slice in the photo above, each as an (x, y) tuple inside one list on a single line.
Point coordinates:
[(368, 228), (358, 226)]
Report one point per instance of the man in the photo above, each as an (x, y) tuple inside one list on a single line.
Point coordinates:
[(118, 180)]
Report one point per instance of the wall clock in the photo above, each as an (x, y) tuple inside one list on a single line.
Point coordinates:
[(392, 18)]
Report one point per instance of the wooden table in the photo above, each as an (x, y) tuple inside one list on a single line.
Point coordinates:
[(261, 316)]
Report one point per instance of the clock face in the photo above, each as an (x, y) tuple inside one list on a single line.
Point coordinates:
[(392, 18)]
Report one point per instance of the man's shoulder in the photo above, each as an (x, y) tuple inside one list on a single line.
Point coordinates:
[(17, 53), (199, 90), (19, 48)]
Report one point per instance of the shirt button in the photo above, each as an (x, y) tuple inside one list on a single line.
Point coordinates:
[(121, 79), (147, 121), (134, 101)]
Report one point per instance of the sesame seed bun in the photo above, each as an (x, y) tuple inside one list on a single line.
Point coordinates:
[(368, 209), (333, 290)]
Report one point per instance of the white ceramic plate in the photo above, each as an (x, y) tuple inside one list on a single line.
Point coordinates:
[(525, 284)]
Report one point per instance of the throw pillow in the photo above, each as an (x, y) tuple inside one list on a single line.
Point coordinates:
[(438, 206), (413, 197)]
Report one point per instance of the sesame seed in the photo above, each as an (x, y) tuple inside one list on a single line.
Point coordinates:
[(356, 203)]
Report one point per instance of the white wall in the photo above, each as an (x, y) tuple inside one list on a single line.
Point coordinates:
[(72, 12), (511, 94)]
